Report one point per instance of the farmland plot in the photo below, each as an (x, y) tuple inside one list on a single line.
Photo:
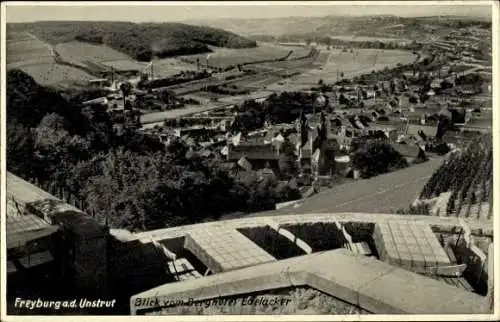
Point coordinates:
[(51, 74), (24, 49), (170, 66), (297, 51), (352, 64), (87, 55), (223, 57), (13, 36), (367, 38), (125, 64), (84, 51)]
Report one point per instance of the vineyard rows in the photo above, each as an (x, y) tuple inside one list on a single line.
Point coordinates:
[(468, 175)]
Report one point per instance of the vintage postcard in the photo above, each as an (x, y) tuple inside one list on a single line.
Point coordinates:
[(249, 160)]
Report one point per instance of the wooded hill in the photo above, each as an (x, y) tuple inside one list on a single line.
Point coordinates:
[(140, 41)]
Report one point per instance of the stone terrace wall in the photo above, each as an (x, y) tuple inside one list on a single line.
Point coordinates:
[(443, 222), (365, 282)]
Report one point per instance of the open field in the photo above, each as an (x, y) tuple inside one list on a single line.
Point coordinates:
[(79, 53), (173, 114), (364, 38), (33, 56), (24, 49), (13, 36), (350, 64), (298, 51), (365, 60), (52, 73), (260, 82), (125, 64), (224, 57), (290, 67), (170, 66)]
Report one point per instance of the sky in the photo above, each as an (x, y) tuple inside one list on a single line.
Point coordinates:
[(153, 12)]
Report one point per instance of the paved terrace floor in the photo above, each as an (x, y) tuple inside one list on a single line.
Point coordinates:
[(224, 249), (381, 194), (410, 245)]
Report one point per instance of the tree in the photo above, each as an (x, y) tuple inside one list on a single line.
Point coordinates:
[(118, 191), (53, 121), (374, 157), (56, 152), (20, 150)]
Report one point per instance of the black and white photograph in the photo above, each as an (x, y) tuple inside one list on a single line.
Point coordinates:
[(214, 160)]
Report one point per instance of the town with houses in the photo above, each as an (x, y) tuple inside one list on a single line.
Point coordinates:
[(377, 155)]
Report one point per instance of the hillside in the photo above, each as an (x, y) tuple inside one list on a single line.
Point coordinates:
[(416, 28), (140, 41), (28, 102)]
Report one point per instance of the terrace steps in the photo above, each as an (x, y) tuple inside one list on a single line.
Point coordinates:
[(183, 269), (180, 268), (361, 248)]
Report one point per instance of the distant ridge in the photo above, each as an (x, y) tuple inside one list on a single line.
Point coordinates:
[(142, 41), (341, 24)]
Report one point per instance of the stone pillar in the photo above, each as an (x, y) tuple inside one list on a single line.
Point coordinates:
[(87, 240), (90, 261)]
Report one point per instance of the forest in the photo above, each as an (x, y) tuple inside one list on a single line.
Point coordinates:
[(127, 179), (140, 41)]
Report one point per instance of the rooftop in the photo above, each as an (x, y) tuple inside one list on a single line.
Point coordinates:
[(252, 152)]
